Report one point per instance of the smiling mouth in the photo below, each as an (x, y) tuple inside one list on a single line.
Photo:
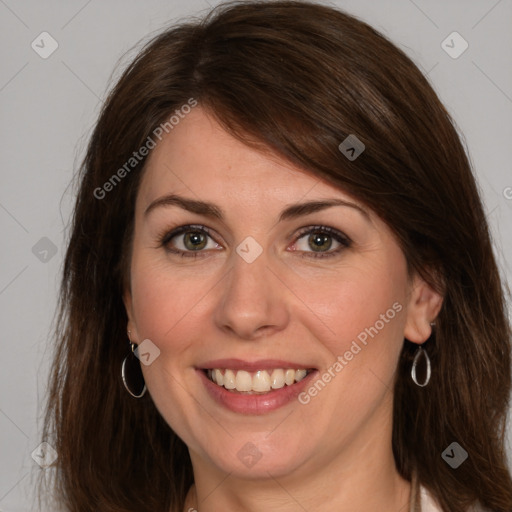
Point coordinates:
[(258, 382)]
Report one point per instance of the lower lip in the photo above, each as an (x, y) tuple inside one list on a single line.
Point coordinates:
[(254, 404)]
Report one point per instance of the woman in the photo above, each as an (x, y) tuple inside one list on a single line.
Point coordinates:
[(276, 217)]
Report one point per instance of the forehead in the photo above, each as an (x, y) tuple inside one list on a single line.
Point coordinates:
[(200, 159)]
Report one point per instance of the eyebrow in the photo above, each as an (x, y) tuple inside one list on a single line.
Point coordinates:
[(211, 210)]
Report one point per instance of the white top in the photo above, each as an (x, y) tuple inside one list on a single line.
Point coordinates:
[(428, 503)]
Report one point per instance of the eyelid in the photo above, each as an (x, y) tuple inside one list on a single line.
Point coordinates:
[(335, 233), (344, 241), (167, 235)]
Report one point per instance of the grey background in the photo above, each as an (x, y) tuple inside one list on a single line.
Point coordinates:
[(49, 105)]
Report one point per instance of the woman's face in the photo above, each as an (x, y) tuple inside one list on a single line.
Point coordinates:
[(248, 265)]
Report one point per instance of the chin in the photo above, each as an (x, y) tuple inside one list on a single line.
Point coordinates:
[(258, 456)]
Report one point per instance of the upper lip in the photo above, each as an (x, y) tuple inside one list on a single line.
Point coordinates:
[(250, 366)]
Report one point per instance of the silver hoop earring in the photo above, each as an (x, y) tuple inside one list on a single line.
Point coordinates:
[(421, 352), (132, 376), (417, 356)]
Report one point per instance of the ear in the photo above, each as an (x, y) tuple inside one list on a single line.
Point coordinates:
[(132, 326), (423, 307)]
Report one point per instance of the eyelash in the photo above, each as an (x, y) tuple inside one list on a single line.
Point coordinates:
[(344, 240)]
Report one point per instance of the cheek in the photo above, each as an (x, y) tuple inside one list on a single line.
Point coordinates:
[(359, 321), (168, 310), (162, 300), (356, 303)]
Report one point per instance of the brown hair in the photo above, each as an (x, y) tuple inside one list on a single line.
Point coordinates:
[(296, 78)]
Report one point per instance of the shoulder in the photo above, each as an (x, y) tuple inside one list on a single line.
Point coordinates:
[(430, 504)]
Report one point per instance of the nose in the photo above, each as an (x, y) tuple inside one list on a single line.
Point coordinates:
[(253, 300)]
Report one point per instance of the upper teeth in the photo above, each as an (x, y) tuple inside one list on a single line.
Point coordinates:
[(260, 381)]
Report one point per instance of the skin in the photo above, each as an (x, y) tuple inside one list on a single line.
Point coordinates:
[(333, 453)]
